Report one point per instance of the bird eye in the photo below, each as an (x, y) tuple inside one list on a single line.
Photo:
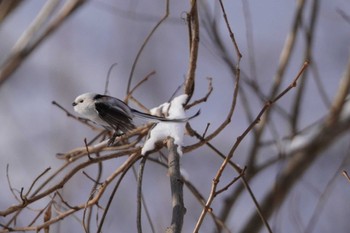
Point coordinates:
[(80, 101)]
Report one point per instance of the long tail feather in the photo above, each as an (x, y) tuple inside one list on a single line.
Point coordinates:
[(157, 118)]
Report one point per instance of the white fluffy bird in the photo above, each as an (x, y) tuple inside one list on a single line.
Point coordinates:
[(113, 113)]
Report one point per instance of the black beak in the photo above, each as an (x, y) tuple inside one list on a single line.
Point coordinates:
[(74, 103)]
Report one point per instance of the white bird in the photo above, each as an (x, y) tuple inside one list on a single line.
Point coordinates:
[(113, 113)]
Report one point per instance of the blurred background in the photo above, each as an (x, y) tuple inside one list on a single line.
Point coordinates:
[(76, 57)]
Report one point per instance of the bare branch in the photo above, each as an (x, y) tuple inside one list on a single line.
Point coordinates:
[(108, 77), (236, 144), (203, 99), (30, 44), (176, 185), (36, 180), (154, 29), (232, 36), (81, 120), (192, 20), (129, 165), (283, 63), (139, 194), (139, 84), (345, 173)]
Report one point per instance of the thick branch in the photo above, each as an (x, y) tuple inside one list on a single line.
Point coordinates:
[(194, 44), (176, 184), (33, 40)]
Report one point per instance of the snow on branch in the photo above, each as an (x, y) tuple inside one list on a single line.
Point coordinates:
[(163, 130)]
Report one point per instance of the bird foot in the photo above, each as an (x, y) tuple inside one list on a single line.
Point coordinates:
[(114, 136)]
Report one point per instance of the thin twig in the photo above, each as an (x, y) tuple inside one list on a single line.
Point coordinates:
[(217, 192), (283, 64), (341, 94), (92, 179), (154, 29), (121, 170), (250, 40), (203, 99), (345, 173), (237, 73), (97, 182), (138, 85), (108, 77), (232, 36), (139, 194), (87, 149), (35, 196), (100, 225), (343, 14), (309, 39), (65, 202), (42, 210), (81, 120), (36, 180), (324, 197), (302, 158), (223, 125), (9, 183), (235, 146)]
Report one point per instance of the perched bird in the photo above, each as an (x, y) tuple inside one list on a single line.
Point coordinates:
[(113, 113)]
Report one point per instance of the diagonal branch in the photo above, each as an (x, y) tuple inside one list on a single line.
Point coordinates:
[(32, 40)]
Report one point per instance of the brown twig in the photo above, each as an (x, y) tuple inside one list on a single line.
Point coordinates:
[(138, 103), (139, 194), (301, 158), (87, 149), (223, 125), (237, 143), (193, 23), (346, 175), (309, 39), (122, 169), (32, 40), (123, 173), (97, 182), (283, 64), (81, 120), (217, 192), (139, 84), (237, 73), (232, 36), (37, 179), (203, 99), (12, 190), (341, 95), (154, 29), (7, 7), (49, 204), (108, 77), (35, 197)]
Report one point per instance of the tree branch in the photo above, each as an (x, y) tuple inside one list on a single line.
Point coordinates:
[(176, 185)]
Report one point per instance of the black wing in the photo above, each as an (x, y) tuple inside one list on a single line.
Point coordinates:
[(116, 118)]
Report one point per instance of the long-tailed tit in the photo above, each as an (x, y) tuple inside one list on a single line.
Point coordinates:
[(113, 113)]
